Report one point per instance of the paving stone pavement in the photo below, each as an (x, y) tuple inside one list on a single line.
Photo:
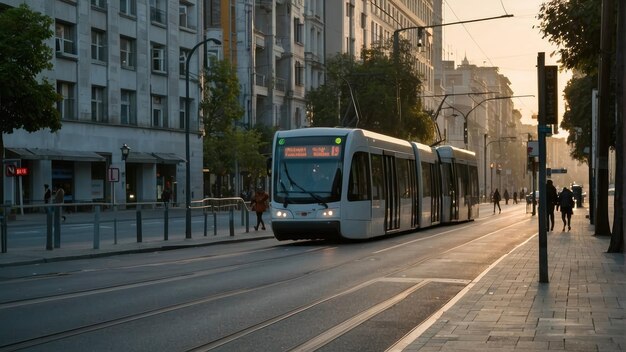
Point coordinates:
[(582, 308)]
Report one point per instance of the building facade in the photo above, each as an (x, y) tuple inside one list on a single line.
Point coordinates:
[(478, 114), (120, 67)]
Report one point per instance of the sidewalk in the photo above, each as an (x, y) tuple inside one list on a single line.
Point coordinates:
[(69, 251), (582, 308)]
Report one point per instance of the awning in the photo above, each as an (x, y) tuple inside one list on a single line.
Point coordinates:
[(21, 153), (138, 157), (169, 158), (55, 154)]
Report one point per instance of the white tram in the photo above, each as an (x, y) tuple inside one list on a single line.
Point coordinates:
[(330, 183)]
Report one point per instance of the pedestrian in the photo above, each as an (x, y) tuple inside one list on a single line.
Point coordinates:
[(514, 197), (47, 193), (496, 201), (552, 200), (166, 195), (506, 197), (566, 203), (259, 205), (59, 198)]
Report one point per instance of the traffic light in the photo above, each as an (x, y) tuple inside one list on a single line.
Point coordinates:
[(465, 131)]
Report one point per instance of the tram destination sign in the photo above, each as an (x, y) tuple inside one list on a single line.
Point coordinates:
[(312, 151)]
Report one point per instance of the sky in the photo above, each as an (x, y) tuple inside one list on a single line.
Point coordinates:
[(512, 44)]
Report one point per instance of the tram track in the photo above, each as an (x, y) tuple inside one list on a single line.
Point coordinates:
[(243, 331)]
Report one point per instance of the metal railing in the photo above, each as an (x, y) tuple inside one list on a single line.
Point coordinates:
[(98, 214)]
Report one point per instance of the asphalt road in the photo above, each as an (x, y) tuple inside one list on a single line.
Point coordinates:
[(265, 295)]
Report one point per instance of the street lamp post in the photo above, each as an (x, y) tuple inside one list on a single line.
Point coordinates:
[(187, 132)]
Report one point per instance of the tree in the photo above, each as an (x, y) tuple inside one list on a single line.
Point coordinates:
[(585, 32), (378, 93), (26, 102), (225, 144), (574, 26)]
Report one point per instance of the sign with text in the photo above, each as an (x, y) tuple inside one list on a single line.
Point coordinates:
[(551, 95), (14, 171), (113, 174)]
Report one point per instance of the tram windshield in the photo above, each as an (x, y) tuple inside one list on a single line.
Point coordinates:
[(308, 170)]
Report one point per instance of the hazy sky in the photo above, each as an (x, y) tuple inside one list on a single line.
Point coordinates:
[(510, 43)]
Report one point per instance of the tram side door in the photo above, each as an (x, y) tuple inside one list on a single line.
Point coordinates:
[(392, 204)]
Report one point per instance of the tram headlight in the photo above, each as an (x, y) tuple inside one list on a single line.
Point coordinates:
[(283, 214), (329, 213)]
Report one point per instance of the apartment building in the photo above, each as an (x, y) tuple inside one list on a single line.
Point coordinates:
[(352, 25), (120, 67), (475, 116)]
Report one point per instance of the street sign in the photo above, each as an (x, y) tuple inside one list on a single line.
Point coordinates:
[(551, 95), (533, 148), (113, 174), (13, 171), (559, 171)]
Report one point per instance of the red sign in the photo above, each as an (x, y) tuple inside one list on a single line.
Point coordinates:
[(13, 170)]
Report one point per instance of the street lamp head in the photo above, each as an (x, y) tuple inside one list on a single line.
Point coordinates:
[(125, 151)]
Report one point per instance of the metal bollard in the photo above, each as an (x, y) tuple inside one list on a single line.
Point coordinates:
[(3, 231), (205, 222), (214, 223), (114, 224), (247, 221), (96, 228), (57, 227), (231, 222), (49, 242), (166, 222), (139, 233)]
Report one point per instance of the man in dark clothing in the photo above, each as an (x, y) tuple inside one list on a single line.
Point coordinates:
[(566, 202), (496, 201), (47, 194), (552, 199)]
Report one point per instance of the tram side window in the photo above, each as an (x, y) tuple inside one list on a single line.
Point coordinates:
[(447, 184), (358, 184), (404, 186), (474, 181), (463, 180), (378, 181), (427, 179)]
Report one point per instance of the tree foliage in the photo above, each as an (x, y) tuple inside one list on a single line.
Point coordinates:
[(576, 117), (382, 89), (574, 26), (26, 102), (224, 143)]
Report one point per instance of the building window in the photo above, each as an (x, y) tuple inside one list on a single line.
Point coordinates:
[(185, 15), (65, 38), (182, 61), (67, 105), (98, 104), (128, 7), (297, 30), (158, 58), (127, 52), (212, 13), (98, 45), (299, 74), (128, 111), (158, 13), (159, 111), (101, 4), (182, 114)]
